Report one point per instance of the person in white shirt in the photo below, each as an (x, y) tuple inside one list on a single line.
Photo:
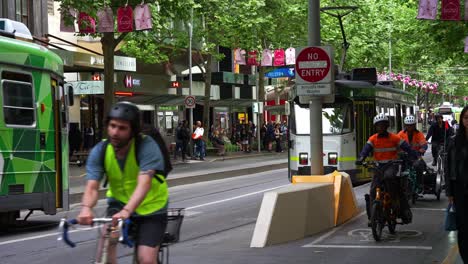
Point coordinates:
[(197, 137)]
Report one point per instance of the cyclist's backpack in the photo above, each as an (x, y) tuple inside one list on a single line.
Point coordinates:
[(156, 136)]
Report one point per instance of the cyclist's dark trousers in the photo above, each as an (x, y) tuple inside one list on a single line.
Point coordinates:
[(377, 180), (389, 174), (149, 229)]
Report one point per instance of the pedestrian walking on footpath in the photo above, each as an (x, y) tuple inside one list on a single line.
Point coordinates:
[(457, 181), (278, 137)]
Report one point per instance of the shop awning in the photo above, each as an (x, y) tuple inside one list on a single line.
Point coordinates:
[(232, 102), (168, 99)]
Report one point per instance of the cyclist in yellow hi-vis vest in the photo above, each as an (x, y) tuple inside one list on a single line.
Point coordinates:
[(133, 165)]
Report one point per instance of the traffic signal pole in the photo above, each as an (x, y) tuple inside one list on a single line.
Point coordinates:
[(315, 103)]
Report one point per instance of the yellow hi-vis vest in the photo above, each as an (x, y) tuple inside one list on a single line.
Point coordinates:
[(122, 184)]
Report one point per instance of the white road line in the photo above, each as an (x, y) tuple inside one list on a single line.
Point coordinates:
[(364, 247), (45, 235), (188, 208), (234, 198), (334, 230)]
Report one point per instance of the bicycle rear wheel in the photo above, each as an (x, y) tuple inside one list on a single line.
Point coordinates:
[(377, 221)]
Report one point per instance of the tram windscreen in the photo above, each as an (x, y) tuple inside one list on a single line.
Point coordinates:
[(335, 119)]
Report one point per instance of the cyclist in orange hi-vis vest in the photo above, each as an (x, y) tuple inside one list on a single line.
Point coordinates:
[(385, 146), (417, 141)]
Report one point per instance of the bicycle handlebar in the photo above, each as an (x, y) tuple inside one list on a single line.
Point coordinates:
[(122, 228), (373, 164)]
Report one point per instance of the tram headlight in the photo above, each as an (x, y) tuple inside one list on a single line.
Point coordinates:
[(332, 158), (303, 158)]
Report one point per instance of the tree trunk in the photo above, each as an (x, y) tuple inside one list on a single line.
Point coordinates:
[(206, 100), (108, 45), (261, 91)]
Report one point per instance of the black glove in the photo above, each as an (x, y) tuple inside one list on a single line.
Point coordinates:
[(359, 161)]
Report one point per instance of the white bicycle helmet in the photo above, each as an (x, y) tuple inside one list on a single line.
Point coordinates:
[(409, 120), (380, 118)]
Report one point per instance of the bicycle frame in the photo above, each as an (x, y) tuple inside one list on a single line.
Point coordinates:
[(175, 218)]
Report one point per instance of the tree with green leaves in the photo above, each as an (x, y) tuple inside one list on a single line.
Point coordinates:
[(164, 13)]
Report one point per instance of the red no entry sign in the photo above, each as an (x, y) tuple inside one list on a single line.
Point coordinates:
[(313, 65)]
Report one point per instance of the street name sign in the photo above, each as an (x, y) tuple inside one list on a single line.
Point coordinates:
[(314, 71)]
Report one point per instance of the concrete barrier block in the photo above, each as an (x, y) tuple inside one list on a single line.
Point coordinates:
[(313, 178), (294, 212), (321, 213), (347, 206)]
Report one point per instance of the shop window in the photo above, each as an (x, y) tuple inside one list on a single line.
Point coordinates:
[(18, 99), (22, 11)]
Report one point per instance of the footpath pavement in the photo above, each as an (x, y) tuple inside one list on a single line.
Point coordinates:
[(193, 171)]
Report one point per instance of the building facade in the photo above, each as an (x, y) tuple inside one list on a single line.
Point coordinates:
[(32, 13)]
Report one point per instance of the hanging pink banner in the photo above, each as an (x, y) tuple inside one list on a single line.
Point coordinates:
[(252, 58), (279, 58), (64, 27), (125, 19), (450, 10), (239, 56), (466, 45), (86, 23), (142, 15), (291, 56), (267, 57), (105, 20), (427, 9)]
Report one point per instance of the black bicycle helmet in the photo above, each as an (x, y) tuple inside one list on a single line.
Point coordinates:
[(126, 111)]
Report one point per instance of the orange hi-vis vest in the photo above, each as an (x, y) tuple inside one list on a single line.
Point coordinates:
[(418, 141), (385, 147)]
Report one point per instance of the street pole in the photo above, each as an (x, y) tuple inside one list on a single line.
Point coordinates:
[(315, 104), (190, 79), (257, 85)]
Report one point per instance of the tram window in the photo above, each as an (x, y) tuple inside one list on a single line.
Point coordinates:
[(335, 120), (18, 101)]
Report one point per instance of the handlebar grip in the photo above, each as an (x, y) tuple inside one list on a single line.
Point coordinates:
[(124, 239), (65, 232)]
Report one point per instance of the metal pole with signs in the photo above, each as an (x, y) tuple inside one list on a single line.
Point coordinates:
[(190, 80), (314, 80)]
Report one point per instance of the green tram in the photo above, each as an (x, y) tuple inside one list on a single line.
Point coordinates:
[(347, 123), (33, 130)]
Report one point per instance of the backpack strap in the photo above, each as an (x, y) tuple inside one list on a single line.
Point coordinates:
[(103, 156), (138, 141)]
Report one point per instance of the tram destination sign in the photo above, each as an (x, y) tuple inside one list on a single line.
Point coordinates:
[(314, 71)]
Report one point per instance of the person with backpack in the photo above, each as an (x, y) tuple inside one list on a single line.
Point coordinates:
[(134, 166)]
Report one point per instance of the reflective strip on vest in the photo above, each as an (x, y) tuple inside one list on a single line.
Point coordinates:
[(122, 184), (385, 149)]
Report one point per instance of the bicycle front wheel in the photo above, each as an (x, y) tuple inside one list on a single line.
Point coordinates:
[(377, 221)]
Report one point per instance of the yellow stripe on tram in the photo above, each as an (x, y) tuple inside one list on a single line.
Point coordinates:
[(346, 159)]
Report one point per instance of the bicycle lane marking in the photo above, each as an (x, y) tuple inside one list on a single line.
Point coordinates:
[(234, 198), (45, 235), (187, 209)]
